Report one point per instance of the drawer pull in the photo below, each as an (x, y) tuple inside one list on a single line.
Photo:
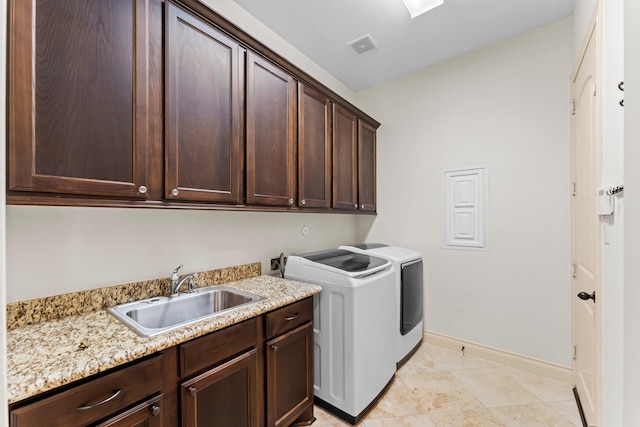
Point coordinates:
[(155, 410), (192, 391), (274, 348), (95, 405), (290, 318)]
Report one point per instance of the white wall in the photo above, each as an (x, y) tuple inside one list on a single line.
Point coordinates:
[(3, 132), (613, 226), (631, 371), (52, 250), (504, 107)]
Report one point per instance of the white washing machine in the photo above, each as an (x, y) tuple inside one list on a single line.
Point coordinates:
[(353, 326), (409, 294)]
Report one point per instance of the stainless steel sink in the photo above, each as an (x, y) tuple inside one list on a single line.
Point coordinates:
[(153, 316)]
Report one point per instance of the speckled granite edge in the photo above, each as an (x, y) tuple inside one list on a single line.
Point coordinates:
[(56, 307), (47, 355)]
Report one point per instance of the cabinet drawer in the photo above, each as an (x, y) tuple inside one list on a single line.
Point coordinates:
[(289, 317), (94, 400), (212, 349)]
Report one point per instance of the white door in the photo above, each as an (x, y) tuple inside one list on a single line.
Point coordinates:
[(586, 157)]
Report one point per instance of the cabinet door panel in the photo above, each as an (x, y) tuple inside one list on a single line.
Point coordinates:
[(289, 375), (224, 396), (146, 414), (271, 114), (345, 144), (81, 100), (314, 148), (366, 166), (202, 111)]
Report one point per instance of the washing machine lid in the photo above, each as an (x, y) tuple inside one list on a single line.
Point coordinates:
[(392, 253), (345, 261)]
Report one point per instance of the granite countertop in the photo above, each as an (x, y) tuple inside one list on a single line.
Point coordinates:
[(43, 356)]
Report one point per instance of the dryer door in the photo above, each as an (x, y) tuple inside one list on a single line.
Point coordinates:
[(411, 296)]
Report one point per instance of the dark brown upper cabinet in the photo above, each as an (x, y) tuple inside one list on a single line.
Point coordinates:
[(204, 79), (366, 166), (83, 102), (345, 159), (271, 134), (314, 148)]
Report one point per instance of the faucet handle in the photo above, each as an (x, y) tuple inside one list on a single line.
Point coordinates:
[(174, 275)]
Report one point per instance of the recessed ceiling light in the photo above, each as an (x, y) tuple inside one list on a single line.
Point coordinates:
[(418, 7)]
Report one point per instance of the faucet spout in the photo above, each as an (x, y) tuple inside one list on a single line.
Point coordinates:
[(176, 282)]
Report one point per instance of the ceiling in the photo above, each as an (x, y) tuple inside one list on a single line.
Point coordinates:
[(321, 29)]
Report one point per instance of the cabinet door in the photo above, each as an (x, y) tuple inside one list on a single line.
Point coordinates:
[(203, 114), (314, 148), (366, 166), (225, 396), (83, 107), (146, 414), (271, 123), (289, 376), (345, 145)]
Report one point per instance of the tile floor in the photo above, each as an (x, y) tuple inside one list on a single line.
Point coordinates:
[(439, 387)]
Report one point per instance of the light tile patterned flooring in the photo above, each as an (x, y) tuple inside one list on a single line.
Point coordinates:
[(439, 387)]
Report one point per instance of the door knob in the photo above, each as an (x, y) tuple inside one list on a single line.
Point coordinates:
[(585, 296)]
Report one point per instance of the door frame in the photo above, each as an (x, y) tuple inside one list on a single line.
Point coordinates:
[(594, 31)]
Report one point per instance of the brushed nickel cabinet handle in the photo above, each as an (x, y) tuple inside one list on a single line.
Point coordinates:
[(175, 192), (295, 316), (192, 391), (95, 405), (155, 410), (142, 189)]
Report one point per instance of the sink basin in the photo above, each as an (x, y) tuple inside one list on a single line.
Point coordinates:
[(156, 315)]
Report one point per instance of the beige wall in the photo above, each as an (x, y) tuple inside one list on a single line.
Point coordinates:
[(503, 107)]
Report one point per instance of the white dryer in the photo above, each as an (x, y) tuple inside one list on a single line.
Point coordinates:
[(408, 323), (353, 326)]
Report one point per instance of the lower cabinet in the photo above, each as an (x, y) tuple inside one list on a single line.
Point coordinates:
[(107, 397), (146, 414), (254, 373), (289, 365), (225, 396)]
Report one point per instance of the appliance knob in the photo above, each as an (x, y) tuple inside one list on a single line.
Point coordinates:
[(175, 192), (142, 189)]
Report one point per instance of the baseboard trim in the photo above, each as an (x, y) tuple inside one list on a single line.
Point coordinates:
[(525, 363)]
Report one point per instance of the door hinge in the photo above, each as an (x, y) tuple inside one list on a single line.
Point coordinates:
[(573, 107), (573, 188), (575, 352), (573, 270)]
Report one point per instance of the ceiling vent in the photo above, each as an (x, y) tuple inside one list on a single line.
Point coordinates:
[(363, 44)]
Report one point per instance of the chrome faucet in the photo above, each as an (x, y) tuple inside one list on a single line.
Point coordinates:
[(176, 282)]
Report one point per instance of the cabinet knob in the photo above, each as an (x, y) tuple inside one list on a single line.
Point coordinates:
[(142, 189), (192, 391), (155, 410), (274, 348), (355, 205), (361, 206), (175, 192), (303, 201), (290, 201)]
